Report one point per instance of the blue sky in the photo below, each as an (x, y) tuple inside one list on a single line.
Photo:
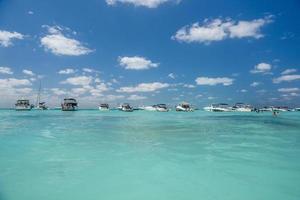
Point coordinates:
[(150, 51)]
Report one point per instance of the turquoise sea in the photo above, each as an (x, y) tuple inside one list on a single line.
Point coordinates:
[(92, 155)]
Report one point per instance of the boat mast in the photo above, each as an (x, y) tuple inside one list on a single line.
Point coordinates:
[(38, 98)]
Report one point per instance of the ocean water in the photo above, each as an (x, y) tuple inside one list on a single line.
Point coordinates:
[(92, 155)]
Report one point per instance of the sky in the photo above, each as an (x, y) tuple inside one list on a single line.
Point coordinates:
[(150, 51)]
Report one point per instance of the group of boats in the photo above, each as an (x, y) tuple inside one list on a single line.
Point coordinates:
[(70, 104), (241, 107)]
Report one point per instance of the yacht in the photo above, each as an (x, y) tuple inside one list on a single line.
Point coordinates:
[(23, 105), (126, 107), (221, 107), (148, 108), (69, 104), (185, 107), (241, 107), (40, 105), (104, 107), (161, 108)]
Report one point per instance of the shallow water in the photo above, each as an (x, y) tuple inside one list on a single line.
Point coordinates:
[(54, 155)]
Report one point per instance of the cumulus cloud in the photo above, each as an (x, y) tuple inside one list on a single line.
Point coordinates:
[(5, 70), (218, 29), (58, 91), (144, 3), (188, 86), (78, 80), (59, 44), (7, 37), (288, 71), (144, 87), (261, 68), (172, 76), (288, 90), (135, 97), (136, 63), (214, 81), (255, 84), (28, 72), (286, 78), (67, 71)]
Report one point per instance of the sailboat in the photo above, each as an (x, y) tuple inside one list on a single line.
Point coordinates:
[(40, 105)]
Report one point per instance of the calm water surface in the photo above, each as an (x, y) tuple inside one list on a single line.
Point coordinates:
[(92, 155)]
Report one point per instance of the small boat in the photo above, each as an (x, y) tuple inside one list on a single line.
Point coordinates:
[(126, 107), (23, 105), (104, 107), (40, 105), (161, 108), (69, 104), (221, 107), (266, 109), (147, 108), (241, 107), (280, 109), (297, 109), (184, 107)]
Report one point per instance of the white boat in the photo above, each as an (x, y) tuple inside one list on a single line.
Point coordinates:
[(40, 105), (280, 109), (297, 109), (126, 107), (148, 108), (104, 107), (221, 107), (69, 104), (184, 107), (161, 108), (23, 105), (241, 107)]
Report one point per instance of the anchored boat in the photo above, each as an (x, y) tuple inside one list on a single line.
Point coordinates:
[(23, 105), (184, 107), (126, 107), (69, 104), (104, 107)]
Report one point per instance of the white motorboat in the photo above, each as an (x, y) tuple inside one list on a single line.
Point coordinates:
[(241, 107), (126, 107), (184, 107), (148, 108), (104, 107), (161, 108), (221, 107), (69, 104), (23, 105)]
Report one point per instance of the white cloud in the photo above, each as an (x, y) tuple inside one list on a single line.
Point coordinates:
[(145, 3), (135, 97), (255, 84), (261, 68), (88, 70), (286, 78), (172, 76), (58, 91), (136, 63), (214, 81), (67, 71), (189, 86), (5, 70), (13, 82), (78, 80), (144, 87), (30, 12), (244, 90), (6, 37), (218, 29), (288, 89), (59, 44), (288, 71), (28, 72)]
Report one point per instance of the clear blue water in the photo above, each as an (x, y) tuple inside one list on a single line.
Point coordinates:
[(54, 155)]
